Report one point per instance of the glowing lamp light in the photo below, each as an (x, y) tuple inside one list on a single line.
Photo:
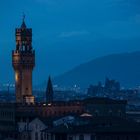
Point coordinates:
[(16, 77), (49, 104)]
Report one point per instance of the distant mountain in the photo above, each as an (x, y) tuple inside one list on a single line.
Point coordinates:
[(123, 67)]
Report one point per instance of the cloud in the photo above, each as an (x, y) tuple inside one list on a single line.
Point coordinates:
[(74, 33)]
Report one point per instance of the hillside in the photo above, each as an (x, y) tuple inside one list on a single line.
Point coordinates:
[(123, 67)]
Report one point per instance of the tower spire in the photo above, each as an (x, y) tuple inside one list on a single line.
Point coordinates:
[(49, 91), (23, 18), (23, 26)]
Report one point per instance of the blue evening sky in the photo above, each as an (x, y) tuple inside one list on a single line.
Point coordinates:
[(68, 32)]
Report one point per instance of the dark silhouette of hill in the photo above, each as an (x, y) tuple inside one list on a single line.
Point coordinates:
[(123, 67)]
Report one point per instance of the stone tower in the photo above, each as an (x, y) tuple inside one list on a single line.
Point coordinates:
[(49, 92), (23, 61)]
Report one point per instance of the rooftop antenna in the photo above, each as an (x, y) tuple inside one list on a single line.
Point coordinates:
[(23, 17)]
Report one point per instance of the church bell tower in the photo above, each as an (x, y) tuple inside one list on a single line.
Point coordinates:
[(23, 61)]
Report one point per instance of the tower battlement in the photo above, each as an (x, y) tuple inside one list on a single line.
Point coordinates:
[(23, 59)]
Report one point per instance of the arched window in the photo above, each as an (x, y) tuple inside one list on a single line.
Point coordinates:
[(64, 113), (81, 137), (118, 138), (127, 138), (120, 113), (96, 112), (92, 137), (41, 135), (36, 136), (70, 138), (50, 113), (46, 113), (110, 112)]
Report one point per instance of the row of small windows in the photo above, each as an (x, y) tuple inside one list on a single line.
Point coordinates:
[(118, 137), (82, 137), (67, 104), (45, 136), (110, 112), (49, 113), (23, 61), (4, 114), (93, 137)]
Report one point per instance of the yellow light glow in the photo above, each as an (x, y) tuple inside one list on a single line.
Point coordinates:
[(16, 77)]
